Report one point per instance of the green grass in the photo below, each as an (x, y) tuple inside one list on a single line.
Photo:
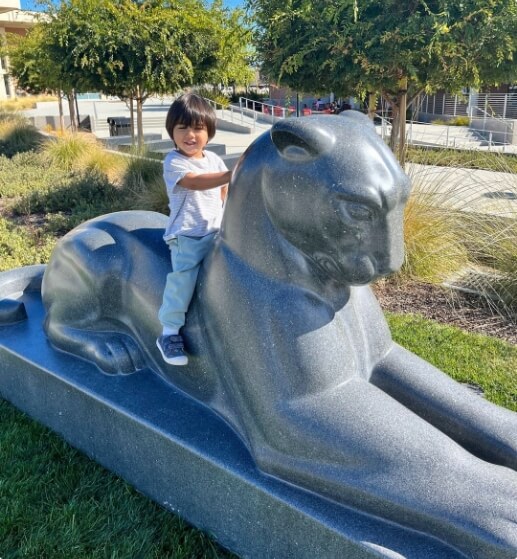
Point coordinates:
[(456, 121), (490, 161), (469, 358), (56, 503)]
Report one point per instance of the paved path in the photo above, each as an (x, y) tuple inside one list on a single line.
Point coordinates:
[(467, 189)]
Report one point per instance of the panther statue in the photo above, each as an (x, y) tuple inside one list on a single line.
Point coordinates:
[(288, 344)]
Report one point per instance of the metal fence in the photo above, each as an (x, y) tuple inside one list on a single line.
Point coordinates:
[(501, 105)]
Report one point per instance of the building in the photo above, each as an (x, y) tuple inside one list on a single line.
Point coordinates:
[(12, 20)]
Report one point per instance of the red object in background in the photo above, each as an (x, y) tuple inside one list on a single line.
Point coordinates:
[(306, 112)]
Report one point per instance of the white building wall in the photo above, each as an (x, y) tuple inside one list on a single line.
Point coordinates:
[(12, 20)]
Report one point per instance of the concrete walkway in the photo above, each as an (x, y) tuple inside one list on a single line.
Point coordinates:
[(472, 190)]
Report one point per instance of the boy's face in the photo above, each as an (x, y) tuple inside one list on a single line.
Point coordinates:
[(190, 140)]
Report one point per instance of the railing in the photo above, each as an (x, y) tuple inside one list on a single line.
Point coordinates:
[(236, 115), (264, 108), (502, 105), (445, 136)]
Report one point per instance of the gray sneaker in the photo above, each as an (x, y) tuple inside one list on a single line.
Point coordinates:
[(172, 350)]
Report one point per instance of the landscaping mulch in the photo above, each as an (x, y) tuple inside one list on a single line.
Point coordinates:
[(464, 310)]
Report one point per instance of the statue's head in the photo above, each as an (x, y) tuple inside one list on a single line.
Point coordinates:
[(335, 191)]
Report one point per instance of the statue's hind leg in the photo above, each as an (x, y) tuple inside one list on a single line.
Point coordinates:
[(357, 445)]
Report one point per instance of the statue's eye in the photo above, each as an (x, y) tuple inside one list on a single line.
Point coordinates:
[(360, 211)]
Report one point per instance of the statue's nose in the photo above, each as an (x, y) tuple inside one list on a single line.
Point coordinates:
[(390, 248)]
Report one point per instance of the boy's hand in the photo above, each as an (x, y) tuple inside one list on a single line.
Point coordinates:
[(224, 192)]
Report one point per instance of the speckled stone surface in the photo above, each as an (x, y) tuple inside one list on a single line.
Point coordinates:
[(181, 455), (291, 355)]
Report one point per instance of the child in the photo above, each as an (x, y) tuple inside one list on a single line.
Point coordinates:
[(196, 182)]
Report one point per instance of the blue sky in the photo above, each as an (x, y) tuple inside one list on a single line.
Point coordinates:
[(33, 5)]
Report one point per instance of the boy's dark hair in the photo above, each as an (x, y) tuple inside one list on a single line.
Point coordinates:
[(191, 110)]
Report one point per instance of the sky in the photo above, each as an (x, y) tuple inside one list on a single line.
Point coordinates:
[(33, 5)]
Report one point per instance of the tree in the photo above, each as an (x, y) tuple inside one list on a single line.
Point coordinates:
[(136, 48), (35, 71), (126, 48), (231, 48), (387, 47)]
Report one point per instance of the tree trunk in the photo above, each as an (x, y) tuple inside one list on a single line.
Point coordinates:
[(372, 105), (77, 117), (402, 116), (71, 108), (395, 126), (60, 109), (132, 118), (139, 118)]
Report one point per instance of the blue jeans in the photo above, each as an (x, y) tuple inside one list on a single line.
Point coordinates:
[(187, 253)]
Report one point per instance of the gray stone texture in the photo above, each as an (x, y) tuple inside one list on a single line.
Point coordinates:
[(291, 360)]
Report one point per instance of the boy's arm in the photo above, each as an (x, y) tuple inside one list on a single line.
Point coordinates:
[(205, 181)]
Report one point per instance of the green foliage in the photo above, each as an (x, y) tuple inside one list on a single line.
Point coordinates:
[(353, 47), (26, 172), (17, 135), (386, 47), (433, 238), (23, 246), (232, 53), (65, 151), (459, 227), (465, 159), (456, 121), (469, 358), (84, 195), (56, 503), (214, 95), (140, 172), (153, 196), (34, 65), (253, 95)]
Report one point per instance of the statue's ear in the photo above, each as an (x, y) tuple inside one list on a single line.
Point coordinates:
[(301, 139), (357, 118)]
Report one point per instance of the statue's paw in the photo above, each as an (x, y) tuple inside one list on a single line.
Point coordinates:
[(115, 353)]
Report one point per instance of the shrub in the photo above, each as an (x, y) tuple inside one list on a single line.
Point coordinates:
[(89, 193), (23, 246), (455, 121), (153, 197), (433, 240), (214, 95), (26, 172), (67, 150), (17, 135), (24, 103), (100, 161), (460, 227), (140, 171), (490, 161)]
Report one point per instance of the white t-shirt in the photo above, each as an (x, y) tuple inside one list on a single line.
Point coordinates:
[(194, 213)]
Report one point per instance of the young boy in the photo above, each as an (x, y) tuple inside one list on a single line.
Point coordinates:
[(196, 182)]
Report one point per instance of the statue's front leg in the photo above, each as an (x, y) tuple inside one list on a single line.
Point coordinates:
[(484, 429)]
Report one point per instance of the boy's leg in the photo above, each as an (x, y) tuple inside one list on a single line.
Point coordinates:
[(187, 253)]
